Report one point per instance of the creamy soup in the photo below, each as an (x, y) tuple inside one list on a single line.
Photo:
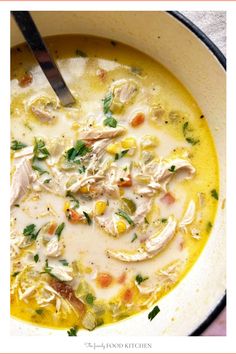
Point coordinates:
[(112, 198)]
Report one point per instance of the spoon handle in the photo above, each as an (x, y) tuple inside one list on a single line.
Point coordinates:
[(42, 55)]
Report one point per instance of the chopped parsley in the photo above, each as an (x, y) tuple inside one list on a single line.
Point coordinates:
[(89, 220), (146, 221), (121, 154), (134, 238), (139, 279), (214, 194), (30, 231), (59, 230), (36, 258), (110, 121), (172, 168), (40, 150), (82, 169), (17, 145), (80, 53), (80, 149), (192, 141), (64, 262), (15, 274), (72, 331), (186, 129), (39, 169), (164, 220), (153, 313), (90, 299), (125, 216)]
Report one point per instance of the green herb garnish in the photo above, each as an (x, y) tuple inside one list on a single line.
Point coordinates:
[(64, 262), (121, 154), (89, 220), (72, 331), (110, 121), (209, 226), (164, 220), (30, 231), (17, 145), (59, 230), (90, 299), (146, 221), (153, 313), (172, 168), (39, 169), (36, 258), (139, 279), (80, 149), (214, 194), (15, 274), (124, 215), (40, 150), (192, 141), (134, 238), (46, 181)]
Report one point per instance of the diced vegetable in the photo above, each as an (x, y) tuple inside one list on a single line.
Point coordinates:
[(104, 280), (121, 226), (25, 80), (137, 120), (129, 205), (127, 182), (129, 143), (74, 217), (52, 228), (128, 295), (100, 207)]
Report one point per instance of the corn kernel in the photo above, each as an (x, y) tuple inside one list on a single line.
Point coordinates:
[(120, 226), (100, 207), (66, 206), (88, 270), (84, 189), (128, 143), (75, 126), (114, 148)]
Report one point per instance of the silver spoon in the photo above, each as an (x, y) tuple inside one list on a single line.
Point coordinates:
[(42, 55)]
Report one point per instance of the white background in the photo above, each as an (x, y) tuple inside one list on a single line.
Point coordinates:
[(75, 344)]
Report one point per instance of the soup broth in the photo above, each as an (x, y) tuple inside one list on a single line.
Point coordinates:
[(114, 197)]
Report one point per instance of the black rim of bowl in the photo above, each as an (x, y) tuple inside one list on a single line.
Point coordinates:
[(221, 58)]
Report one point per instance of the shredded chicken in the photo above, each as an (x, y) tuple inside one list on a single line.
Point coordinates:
[(97, 134), (21, 181), (152, 246)]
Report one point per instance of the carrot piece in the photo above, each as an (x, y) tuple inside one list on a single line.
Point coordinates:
[(121, 279), (168, 199), (137, 120), (25, 80), (125, 183), (128, 295), (102, 74), (74, 217), (52, 228), (104, 280)]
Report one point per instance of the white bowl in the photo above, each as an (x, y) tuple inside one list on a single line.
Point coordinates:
[(183, 49)]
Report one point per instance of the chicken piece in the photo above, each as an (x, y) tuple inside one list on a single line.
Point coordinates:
[(54, 247), (97, 134), (152, 246), (84, 181), (44, 109), (22, 180), (67, 292), (61, 272), (27, 152), (188, 216), (123, 92), (161, 172)]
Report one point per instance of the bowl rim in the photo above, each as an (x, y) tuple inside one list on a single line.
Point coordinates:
[(222, 60)]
